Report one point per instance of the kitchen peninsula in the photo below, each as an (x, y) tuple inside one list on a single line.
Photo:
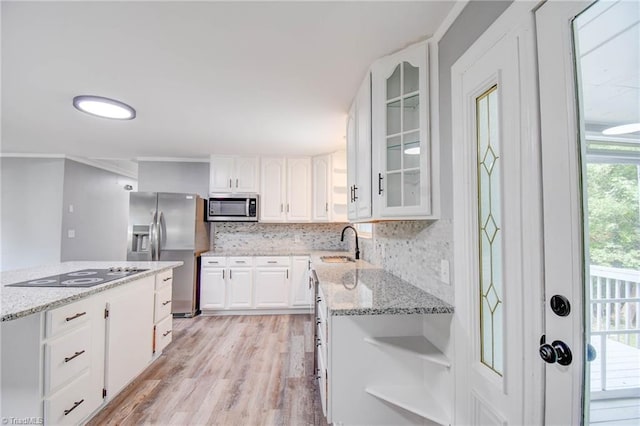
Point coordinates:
[(66, 351)]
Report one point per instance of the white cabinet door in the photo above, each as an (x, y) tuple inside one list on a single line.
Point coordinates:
[(321, 188), (352, 163), (299, 189), (300, 292), (362, 189), (212, 288), (272, 287), (272, 190), (240, 285), (247, 173), (401, 144), (338, 184), (129, 332), (221, 174)]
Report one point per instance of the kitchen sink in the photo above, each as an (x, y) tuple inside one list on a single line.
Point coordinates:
[(337, 259)]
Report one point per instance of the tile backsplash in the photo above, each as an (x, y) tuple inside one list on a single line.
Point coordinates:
[(412, 250), (268, 236)]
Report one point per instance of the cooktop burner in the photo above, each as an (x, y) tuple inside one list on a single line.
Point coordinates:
[(82, 278)]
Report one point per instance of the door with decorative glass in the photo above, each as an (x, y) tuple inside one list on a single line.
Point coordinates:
[(402, 176), (497, 227)]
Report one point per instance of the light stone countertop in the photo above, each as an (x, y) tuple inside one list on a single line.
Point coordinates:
[(357, 288), (22, 301)]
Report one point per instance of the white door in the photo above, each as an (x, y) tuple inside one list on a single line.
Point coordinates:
[(298, 189), (221, 174), (240, 285), (213, 288), (497, 228), (321, 187), (272, 190), (247, 172), (588, 55), (272, 285)]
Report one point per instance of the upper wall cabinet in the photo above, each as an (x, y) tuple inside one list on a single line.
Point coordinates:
[(285, 194), (402, 160), (359, 154), (234, 174)]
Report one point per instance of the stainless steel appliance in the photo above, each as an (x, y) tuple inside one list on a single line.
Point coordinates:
[(81, 278), (233, 207), (170, 226)]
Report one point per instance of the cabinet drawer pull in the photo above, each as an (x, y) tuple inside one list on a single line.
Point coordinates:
[(75, 405), (166, 333), (77, 354), (167, 279), (78, 315), (166, 303), (272, 261), (213, 262), (240, 261), (318, 321)]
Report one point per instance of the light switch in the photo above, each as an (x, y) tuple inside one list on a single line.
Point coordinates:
[(70, 208), (71, 233)]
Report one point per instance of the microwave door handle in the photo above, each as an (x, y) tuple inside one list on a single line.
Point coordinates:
[(246, 208)]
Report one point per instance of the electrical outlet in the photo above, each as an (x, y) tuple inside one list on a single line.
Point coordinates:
[(70, 208), (71, 233), (444, 271)]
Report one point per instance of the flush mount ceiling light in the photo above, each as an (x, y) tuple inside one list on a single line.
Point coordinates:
[(104, 107), (622, 130), (412, 151)]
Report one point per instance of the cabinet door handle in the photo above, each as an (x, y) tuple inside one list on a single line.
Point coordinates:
[(75, 405), (77, 354), (351, 193), (380, 183), (287, 274), (166, 303), (223, 274), (236, 182), (355, 192), (287, 207), (326, 207), (230, 183), (281, 207), (78, 315), (230, 274), (167, 279), (166, 333)]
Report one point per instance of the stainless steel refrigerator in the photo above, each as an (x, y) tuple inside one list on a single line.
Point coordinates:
[(170, 226)]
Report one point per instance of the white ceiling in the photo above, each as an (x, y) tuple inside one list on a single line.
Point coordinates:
[(204, 77)]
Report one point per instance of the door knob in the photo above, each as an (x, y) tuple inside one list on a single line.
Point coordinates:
[(557, 351)]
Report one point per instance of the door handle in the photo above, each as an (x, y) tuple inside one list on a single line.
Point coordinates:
[(355, 192), (557, 351), (380, 184)]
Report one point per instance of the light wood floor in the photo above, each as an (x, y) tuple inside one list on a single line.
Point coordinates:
[(233, 370)]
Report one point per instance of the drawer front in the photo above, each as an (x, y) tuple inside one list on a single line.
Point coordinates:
[(164, 333), (214, 262), (72, 404), (323, 384), (163, 303), (240, 261), (273, 261), (68, 317), (164, 279), (66, 357)]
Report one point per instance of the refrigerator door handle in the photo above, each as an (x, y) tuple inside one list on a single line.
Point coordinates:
[(161, 233), (153, 236)]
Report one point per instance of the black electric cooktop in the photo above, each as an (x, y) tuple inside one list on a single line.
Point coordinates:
[(82, 278)]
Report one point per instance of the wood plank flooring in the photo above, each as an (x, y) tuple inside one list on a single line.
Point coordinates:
[(228, 370)]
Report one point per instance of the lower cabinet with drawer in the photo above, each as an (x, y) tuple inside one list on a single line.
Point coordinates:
[(64, 364), (254, 285)]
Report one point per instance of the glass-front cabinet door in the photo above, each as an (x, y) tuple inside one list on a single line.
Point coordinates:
[(402, 172)]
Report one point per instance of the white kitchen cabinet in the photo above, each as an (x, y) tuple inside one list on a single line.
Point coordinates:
[(402, 163), (359, 154), (285, 191), (321, 188), (162, 318), (129, 343), (213, 288), (338, 192), (240, 288), (301, 294), (272, 287), (233, 174)]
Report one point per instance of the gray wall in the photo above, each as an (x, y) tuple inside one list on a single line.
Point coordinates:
[(100, 213), (168, 176), (475, 18), (31, 198)]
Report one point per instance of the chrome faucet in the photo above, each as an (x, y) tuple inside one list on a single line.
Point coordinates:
[(355, 232)]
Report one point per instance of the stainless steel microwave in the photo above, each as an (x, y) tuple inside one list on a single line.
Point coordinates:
[(232, 208)]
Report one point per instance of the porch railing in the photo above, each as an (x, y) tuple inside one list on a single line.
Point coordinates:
[(614, 310)]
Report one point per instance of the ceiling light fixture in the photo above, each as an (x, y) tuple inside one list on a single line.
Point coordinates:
[(104, 107), (622, 130), (412, 151)]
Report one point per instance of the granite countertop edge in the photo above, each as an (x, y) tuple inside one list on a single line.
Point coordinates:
[(82, 294)]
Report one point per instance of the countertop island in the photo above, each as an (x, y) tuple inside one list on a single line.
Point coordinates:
[(18, 302)]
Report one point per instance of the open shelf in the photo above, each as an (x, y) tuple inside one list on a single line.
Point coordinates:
[(414, 345), (415, 399)]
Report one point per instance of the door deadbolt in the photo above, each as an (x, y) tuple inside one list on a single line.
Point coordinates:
[(560, 305), (557, 351)]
